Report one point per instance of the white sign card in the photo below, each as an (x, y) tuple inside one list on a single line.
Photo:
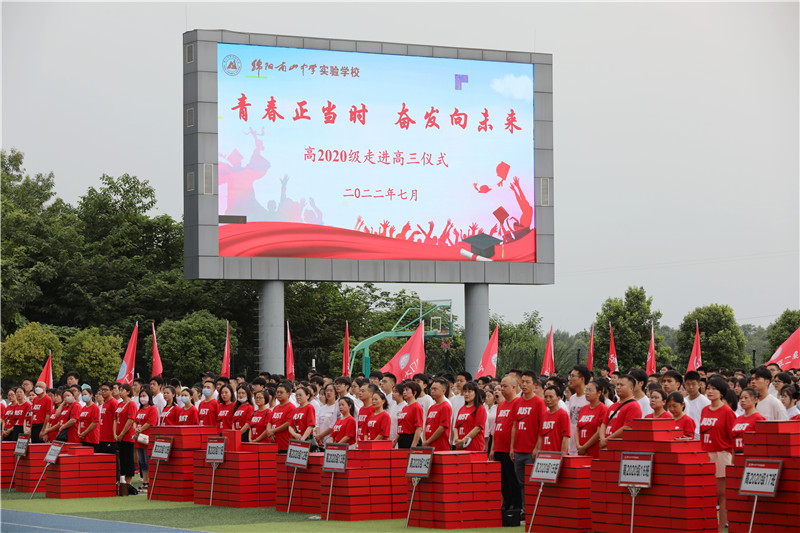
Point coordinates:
[(419, 462), (52, 453), (335, 459), (161, 448), (760, 477), (21, 448), (546, 467), (215, 450), (297, 453), (635, 469)]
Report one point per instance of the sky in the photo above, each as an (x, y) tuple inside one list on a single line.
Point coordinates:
[(675, 129)]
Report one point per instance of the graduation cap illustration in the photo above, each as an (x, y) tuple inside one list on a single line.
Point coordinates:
[(482, 244)]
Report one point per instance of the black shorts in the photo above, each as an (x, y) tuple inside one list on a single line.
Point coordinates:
[(126, 464), (404, 440), (36, 430)]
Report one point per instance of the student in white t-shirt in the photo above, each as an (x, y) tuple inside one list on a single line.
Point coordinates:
[(424, 400), (639, 392), (327, 413), (694, 402), (579, 376), (156, 390), (768, 405)]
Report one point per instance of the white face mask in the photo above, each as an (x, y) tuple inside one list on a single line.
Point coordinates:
[(38, 390), (243, 399), (144, 401), (68, 399)]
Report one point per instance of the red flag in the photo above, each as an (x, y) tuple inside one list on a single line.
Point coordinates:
[(788, 354), (289, 355), (612, 352), (225, 372), (489, 360), (126, 370), (695, 360), (651, 353), (590, 362), (410, 359), (548, 365), (346, 354), (158, 369), (47, 372)]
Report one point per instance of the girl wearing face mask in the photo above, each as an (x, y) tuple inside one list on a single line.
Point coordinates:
[(227, 406), (146, 417), (167, 417), (260, 417), (89, 425), (208, 408), (243, 412), (186, 413), (70, 415)]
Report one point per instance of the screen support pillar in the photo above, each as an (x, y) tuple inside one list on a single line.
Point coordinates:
[(476, 331), (271, 327)]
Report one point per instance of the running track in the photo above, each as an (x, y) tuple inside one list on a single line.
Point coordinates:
[(25, 522)]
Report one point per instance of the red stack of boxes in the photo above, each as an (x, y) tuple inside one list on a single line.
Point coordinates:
[(564, 505), (305, 498), (245, 479), (463, 491), (7, 460), (32, 464), (683, 492), (175, 481), (369, 488), (80, 473), (776, 441)]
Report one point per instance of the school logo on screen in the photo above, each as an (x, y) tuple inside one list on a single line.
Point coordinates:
[(232, 65)]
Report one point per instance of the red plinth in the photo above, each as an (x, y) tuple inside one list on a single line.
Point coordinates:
[(307, 488), (7, 460), (175, 480), (245, 479), (32, 465), (77, 474), (563, 506)]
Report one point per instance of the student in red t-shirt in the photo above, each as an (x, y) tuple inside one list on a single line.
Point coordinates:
[(185, 413), (304, 417), (622, 412), (344, 430), (746, 422), (716, 438), (555, 432), (243, 412), (527, 417), (108, 411), (683, 421), (379, 424), (365, 395), (8, 420), (208, 407), (146, 417), (21, 410), (471, 419), (167, 418), (411, 418), (125, 417), (501, 443), (590, 418), (281, 419), (658, 400), (260, 417), (70, 416), (89, 425), (437, 426), (40, 412), (227, 407)]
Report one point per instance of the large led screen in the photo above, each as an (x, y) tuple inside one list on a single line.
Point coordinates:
[(350, 155)]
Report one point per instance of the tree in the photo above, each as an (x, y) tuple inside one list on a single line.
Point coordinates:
[(722, 342), (519, 345), (192, 346), (756, 337), (94, 356), (782, 329), (24, 354), (631, 317)]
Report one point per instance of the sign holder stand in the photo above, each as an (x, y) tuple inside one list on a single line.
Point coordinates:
[(634, 492), (49, 459), (298, 449), (753, 515), (158, 456), (20, 449), (416, 470), (334, 460), (291, 492), (216, 458), (214, 466), (546, 467), (766, 474), (14, 474), (639, 477)]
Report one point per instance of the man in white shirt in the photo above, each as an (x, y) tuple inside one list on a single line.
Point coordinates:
[(774, 370), (156, 388), (768, 405), (638, 392), (342, 385), (695, 402), (578, 378)]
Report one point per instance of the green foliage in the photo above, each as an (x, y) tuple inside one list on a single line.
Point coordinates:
[(631, 317), (722, 342), (24, 353), (519, 345), (782, 329), (95, 357), (191, 346), (756, 337)]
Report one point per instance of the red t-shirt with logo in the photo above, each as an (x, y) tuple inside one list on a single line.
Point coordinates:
[(379, 424), (503, 423), (439, 414), (259, 421), (125, 412), (167, 417), (686, 424), (466, 420), (187, 416), (107, 414), (716, 429), (241, 416), (409, 419), (625, 412), (146, 415), (20, 412), (344, 427), (363, 415), (89, 414), (589, 421), (74, 411), (528, 417), (280, 415), (555, 426), (207, 412), (225, 415), (41, 409), (744, 424), (303, 417)]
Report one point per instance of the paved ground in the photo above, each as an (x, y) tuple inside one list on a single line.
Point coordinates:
[(26, 522)]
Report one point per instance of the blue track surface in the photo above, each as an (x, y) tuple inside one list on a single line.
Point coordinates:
[(25, 522)]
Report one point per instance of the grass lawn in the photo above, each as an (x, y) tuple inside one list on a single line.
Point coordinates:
[(201, 517)]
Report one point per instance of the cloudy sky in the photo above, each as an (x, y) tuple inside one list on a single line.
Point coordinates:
[(675, 129)]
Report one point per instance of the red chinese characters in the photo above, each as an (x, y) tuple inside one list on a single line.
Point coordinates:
[(359, 115), (271, 111), (242, 106), (511, 122), (483, 124), (404, 119), (376, 157), (359, 193), (459, 119), (430, 119), (302, 111), (327, 111)]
